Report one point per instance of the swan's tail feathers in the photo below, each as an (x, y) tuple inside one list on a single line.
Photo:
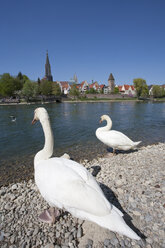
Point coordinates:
[(118, 211), (115, 223), (65, 155), (137, 143)]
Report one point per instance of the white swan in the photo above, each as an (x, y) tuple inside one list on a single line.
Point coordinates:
[(112, 138), (13, 118), (68, 185)]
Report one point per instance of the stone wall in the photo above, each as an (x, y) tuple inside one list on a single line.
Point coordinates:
[(107, 96)]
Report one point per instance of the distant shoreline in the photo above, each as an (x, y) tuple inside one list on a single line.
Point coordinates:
[(84, 101)]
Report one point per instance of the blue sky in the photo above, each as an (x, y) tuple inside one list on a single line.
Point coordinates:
[(91, 38)]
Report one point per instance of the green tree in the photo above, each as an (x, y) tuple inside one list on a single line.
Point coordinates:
[(56, 90), (116, 90), (92, 91), (38, 81), (24, 78), (144, 92), (141, 87), (20, 76), (9, 85), (46, 88), (74, 91), (30, 89), (158, 91)]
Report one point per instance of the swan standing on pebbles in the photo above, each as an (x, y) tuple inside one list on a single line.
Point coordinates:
[(112, 138), (68, 185)]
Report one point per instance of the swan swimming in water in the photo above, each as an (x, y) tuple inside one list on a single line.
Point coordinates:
[(112, 138), (66, 184), (13, 118)]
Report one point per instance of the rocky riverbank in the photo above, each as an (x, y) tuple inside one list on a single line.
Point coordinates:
[(134, 182)]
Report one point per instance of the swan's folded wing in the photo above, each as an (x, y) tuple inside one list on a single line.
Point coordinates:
[(78, 195), (72, 186), (115, 138)]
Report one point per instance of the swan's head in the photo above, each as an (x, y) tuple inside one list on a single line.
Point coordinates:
[(40, 114), (104, 117)]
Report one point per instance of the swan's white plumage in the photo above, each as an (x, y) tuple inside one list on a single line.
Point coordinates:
[(68, 185), (114, 139)]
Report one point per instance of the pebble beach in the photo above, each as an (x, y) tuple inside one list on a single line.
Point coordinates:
[(134, 182)]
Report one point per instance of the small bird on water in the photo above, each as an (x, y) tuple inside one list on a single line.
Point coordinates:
[(13, 118)]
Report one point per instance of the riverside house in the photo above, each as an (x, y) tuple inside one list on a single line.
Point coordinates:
[(127, 90), (64, 86), (84, 86)]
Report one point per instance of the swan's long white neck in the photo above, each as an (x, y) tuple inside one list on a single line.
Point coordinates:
[(108, 126), (47, 151)]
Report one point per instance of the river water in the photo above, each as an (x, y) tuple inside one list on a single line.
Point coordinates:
[(74, 126)]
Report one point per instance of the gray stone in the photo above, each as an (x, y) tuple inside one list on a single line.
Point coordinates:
[(14, 187), (70, 238), (90, 242), (114, 241), (49, 246), (23, 245), (67, 235), (57, 234), (2, 192), (1, 236), (79, 232), (149, 240), (107, 242), (12, 239)]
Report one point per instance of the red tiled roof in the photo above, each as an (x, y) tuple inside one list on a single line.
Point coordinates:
[(126, 86), (132, 87), (102, 86), (78, 86), (91, 85), (120, 88), (94, 84), (82, 83), (64, 84)]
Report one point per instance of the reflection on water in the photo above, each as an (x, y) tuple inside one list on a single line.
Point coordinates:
[(74, 126)]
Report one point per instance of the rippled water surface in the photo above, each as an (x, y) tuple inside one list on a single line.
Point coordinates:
[(74, 126)]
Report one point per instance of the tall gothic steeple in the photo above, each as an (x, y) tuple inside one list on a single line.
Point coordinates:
[(48, 69), (75, 78)]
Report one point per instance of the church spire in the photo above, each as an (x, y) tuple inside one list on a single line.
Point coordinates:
[(48, 69), (75, 78)]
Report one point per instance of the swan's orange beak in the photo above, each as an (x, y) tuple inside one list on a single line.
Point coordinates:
[(34, 121), (100, 121)]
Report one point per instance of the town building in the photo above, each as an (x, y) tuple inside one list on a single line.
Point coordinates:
[(127, 90), (106, 90), (64, 86), (111, 83), (150, 89), (84, 86)]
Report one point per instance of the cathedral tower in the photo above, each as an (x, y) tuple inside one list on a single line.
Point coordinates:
[(48, 69)]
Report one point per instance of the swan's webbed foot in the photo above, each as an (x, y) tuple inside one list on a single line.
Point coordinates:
[(114, 152), (49, 215)]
